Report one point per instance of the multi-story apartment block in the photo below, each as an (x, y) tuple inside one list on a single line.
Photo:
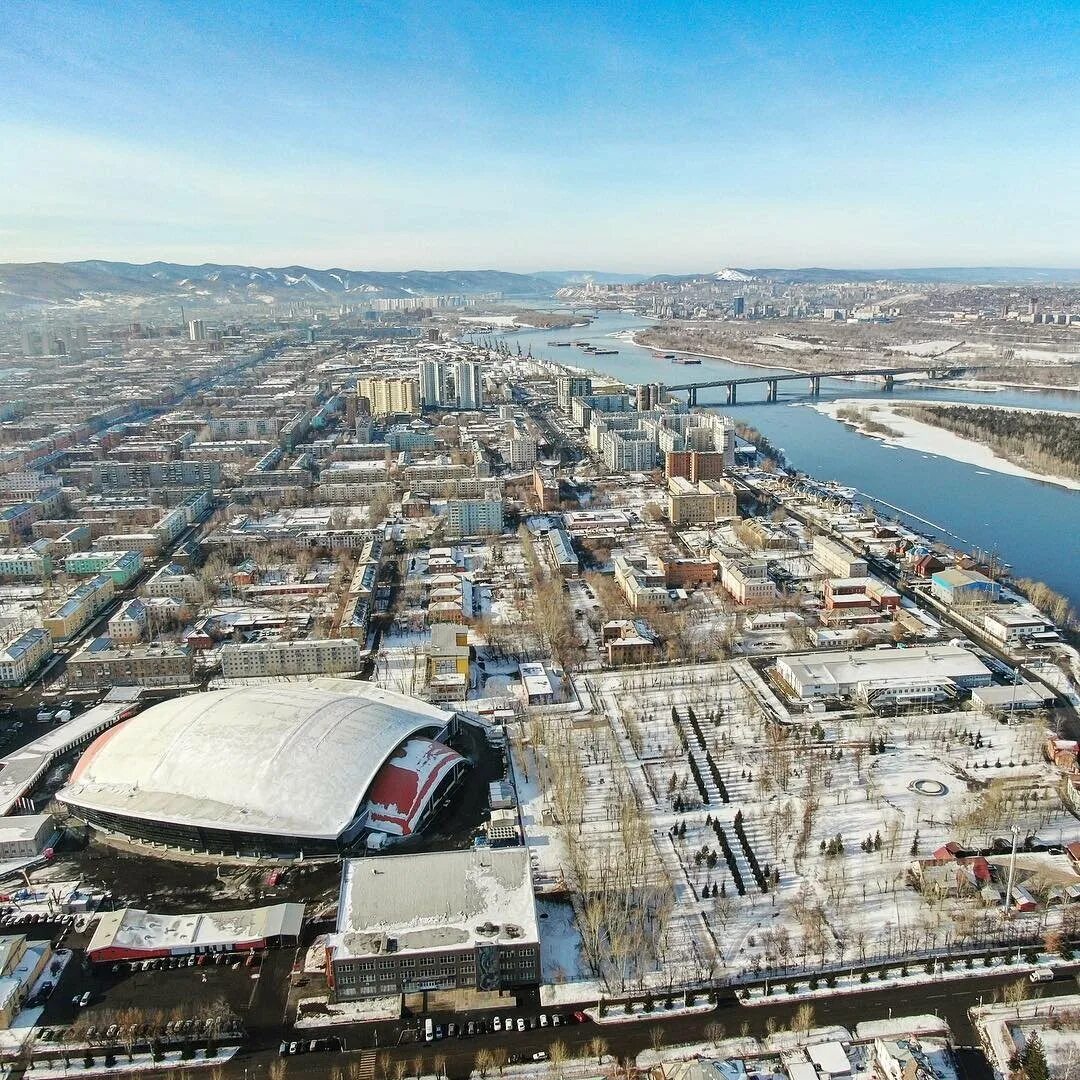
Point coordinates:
[(521, 451), (325, 656), (80, 607), (103, 663), (474, 517), (568, 387), (110, 476), (23, 655), (174, 582), (700, 503), (129, 624)]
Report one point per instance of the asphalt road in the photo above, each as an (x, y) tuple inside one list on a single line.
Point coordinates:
[(950, 1000)]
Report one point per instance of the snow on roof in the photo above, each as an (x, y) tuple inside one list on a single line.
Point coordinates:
[(845, 667), (830, 1058), (277, 759), (131, 928), (406, 783), (478, 896)]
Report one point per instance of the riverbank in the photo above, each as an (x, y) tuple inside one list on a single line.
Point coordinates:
[(631, 336), (928, 439)]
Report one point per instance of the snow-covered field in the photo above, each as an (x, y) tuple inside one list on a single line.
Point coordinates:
[(826, 807)]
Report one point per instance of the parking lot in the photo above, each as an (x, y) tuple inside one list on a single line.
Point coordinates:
[(160, 991)]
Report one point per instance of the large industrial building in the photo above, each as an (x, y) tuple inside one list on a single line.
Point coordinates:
[(281, 771), (884, 677), (471, 926)]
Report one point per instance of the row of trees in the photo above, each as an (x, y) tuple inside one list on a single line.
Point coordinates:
[(1043, 441)]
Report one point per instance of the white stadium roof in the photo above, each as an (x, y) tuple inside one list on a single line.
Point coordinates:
[(280, 759)]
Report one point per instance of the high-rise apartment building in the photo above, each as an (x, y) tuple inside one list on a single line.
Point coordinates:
[(196, 330), (451, 385), (569, 387), (389, 396)]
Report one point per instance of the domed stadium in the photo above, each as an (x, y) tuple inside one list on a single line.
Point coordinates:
[(269, 771)]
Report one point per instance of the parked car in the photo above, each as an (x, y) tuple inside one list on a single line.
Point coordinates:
[(540, 1055), (521, 1023)]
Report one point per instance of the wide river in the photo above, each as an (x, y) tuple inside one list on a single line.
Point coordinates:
[(1031, 525)]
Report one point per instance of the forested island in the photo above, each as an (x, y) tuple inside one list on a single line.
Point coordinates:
[(1043, 442)]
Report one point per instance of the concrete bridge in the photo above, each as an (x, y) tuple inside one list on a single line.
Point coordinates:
[(888, 375)]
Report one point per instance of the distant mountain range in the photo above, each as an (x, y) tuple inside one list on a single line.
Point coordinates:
[(94, 282), (98, 282), (955, 275)]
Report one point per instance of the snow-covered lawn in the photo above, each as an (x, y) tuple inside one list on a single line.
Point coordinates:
[(819, 814)]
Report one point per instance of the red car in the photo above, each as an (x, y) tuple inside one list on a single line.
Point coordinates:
[(581, 1018)]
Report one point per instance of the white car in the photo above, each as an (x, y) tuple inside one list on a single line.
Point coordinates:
[(496, 1024)]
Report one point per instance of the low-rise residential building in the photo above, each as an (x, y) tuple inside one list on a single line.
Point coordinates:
[(122, 566), (23, 655), (129, 624), (447, 662), (16, 520), (174, 582), (22, 963), (308, 656), (642, 581), (628, 641), (472, 926), (103, 663), (147, 543), (562, 552), (836, 560), (29, 562)]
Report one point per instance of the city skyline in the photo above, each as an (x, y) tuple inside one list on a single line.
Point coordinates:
[(666, 138)]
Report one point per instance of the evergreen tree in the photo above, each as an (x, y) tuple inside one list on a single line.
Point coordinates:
[(1034, 1059)]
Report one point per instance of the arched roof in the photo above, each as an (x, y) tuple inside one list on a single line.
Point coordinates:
[(285, 759)]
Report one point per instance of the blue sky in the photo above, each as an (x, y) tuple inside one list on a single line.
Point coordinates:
[(656, 136)]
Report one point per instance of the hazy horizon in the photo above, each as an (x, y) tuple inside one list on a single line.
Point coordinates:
[(659, 138)]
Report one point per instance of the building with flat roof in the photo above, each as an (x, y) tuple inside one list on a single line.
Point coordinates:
[(133, 934), (1009, 625), (846, 673), (473, 925), (103, 663), (24, 836), (390, 396), (305, 656), (700, 502)]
